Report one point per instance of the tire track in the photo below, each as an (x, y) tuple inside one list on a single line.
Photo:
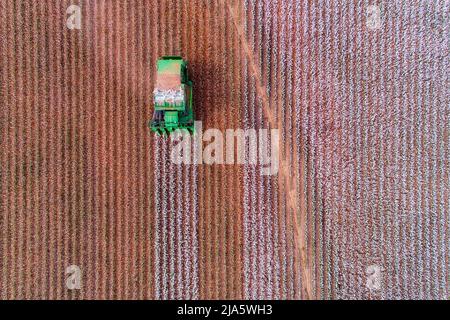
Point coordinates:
[(363, 177)]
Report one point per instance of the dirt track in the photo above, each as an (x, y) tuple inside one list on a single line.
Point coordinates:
[(364, 172)]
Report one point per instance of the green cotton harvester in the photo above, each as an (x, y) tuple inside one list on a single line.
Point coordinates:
[(172, 97)]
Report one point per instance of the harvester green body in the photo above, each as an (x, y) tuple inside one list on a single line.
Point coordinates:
[(172, 97)]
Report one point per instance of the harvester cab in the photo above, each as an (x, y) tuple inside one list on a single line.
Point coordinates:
[(172, 97)]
